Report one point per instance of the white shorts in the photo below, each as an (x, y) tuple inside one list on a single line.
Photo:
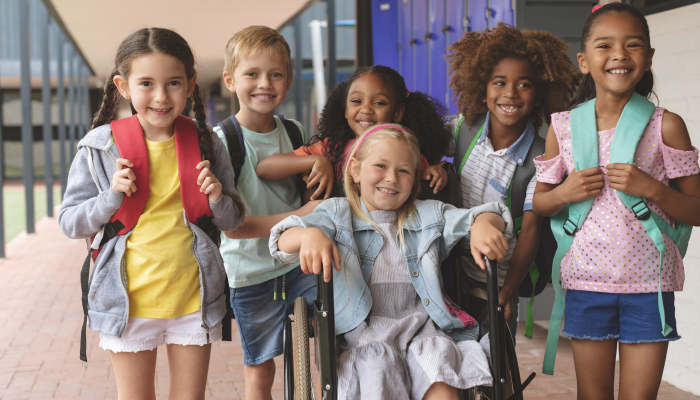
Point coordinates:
[(145, 334)]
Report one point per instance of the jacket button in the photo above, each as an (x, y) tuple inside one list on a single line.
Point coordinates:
[(426, 302), (415, 273)]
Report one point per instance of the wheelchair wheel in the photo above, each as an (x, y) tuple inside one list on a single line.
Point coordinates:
[(302, 367)]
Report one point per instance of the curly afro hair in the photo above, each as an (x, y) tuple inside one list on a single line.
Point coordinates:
[(473, 58), (423, 115)]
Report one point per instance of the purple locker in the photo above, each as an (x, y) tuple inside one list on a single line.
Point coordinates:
[(385, 33), (456, 24), (421, 44), (406, 35), (437, 68), (501, 11)]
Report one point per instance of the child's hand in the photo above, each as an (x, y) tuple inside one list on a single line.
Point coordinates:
[(307, 208), (322, 174), (507, 304), (209, 184), (436, 175), (631, 179), (487, 240), (123, 179), (581, 185), (317, 252)]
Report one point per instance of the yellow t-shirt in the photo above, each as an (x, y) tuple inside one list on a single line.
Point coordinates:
[(161, 271)]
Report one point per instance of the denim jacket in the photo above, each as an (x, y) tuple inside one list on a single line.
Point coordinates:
[(434, 229)]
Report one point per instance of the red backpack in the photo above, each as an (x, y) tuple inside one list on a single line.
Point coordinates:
[(131, 144)]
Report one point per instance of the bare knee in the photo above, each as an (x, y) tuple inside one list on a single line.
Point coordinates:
[(441, 390), (261, 375)]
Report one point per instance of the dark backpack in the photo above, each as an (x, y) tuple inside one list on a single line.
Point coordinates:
[(236, 146), (541, 270)]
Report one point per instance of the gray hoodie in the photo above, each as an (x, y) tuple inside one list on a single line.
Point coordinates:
[(90, 202)]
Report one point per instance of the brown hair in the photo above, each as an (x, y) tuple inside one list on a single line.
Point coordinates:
[(352, 189), (163, 41), (586, 91), (250, 41), (474, 56)]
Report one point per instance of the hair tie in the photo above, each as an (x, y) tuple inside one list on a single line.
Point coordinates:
[(597, 7), (371, 132), (408, 92)]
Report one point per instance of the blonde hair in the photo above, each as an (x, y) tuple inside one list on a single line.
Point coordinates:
[(250, 41), (365, 143)]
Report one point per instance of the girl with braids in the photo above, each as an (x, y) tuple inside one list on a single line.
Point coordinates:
[(163, 281), (506, 83), (372, 95), (620, 272), (398, 334)]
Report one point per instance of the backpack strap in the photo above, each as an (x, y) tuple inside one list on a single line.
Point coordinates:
[(570, 219), (236, 146), (292, 131), (465, 140)]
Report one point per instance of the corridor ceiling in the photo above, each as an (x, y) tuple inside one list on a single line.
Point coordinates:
[(98, 26)]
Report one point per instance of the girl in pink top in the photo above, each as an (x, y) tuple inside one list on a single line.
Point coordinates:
[(612, 268)]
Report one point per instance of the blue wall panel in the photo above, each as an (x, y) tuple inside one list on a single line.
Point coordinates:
[(385, 33), (405, 37), (436, 21), (455, 24), (422, 55)]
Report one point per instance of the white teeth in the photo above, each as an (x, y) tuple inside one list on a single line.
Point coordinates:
[(262, 96), (509, 108), (619, 71), (365, 124), (387, 191)]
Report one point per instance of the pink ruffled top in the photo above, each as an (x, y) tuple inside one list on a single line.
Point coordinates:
[(612, 252)]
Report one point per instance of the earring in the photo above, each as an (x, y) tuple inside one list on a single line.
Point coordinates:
[(127, 97)]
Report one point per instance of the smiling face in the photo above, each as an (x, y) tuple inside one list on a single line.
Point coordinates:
[(371, 101), (617, 53), (386, 175), (158, 87), (261, 83), (510, 94)]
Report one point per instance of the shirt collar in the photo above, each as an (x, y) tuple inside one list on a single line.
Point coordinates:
[(358, 224), (518, 150)]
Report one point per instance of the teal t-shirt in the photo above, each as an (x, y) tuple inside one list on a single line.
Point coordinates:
[(248, 261)]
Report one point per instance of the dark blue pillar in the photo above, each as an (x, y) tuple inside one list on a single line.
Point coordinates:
[(26, 98), (71, 102), (61, 99), (298, 71), (332, 71), (46, 100)]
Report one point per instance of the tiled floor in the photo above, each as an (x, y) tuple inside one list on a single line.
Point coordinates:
[(41, 316)]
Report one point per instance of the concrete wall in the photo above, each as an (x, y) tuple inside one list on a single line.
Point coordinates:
[(676, 36)]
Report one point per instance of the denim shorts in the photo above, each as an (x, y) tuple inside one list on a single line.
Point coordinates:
[(260, 319), (627, 318)]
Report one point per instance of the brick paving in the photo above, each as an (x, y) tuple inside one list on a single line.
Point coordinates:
[(41, 316)]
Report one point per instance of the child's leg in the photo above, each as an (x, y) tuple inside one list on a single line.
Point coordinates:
[(594, 361), (259, 379), (135, 374), (641, 367), (441, 391), (189, 366)]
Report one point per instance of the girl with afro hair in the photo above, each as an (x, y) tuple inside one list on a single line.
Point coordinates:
[(506, 84), (372, 95)]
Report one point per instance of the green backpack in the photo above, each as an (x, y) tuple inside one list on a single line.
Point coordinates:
[(584, 147), (541, 268)]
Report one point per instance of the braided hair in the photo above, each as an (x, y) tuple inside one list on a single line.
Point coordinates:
[(163, 41), (423, 115)]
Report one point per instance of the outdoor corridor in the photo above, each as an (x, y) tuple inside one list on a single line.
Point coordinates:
[(41, 314)]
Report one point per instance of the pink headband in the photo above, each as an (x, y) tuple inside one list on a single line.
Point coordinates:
[(380, 127)]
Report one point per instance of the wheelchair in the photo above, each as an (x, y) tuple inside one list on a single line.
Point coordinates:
[(480, 304)]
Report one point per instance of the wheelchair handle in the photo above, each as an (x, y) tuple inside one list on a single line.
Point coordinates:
[(496, 328)]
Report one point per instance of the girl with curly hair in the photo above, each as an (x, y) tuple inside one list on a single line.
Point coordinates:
[(506, 83), (372, 95)]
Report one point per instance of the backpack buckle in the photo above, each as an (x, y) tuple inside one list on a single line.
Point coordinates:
[(641, 211), (570, 228)]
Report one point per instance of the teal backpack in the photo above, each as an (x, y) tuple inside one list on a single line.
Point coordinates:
[(541, 268), (584, 147)]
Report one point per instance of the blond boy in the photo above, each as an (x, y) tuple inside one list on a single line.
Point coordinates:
[(258, 70)]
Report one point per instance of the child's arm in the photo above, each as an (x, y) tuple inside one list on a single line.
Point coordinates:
[(684, 205), (281, 166), (523, 256), (85, 209), (315, 250), (549, 199), (487, 238), (256, 227)]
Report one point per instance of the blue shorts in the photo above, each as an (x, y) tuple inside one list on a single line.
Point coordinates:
[(260, 319), (627, 318)]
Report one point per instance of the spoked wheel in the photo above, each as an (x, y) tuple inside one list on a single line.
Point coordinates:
[(302, 367)]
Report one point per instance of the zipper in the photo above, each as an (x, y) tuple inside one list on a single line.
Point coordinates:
[(201, 282)]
